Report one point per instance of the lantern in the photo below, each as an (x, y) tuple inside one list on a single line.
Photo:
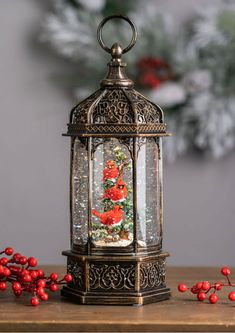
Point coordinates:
[(116, 192)]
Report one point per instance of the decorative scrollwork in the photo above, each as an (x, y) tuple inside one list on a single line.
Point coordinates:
[(76, 271), (152, 274), (113, 107), (80, 111), (146, 112), (116, 106), (116, 277)]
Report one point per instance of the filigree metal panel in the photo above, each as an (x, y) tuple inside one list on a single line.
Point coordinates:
[(152, 274), (76, 270), (112, 277), (79, 112), (113, 107), (146, 112)]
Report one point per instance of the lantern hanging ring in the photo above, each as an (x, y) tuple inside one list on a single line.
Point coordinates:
[(100, 37)]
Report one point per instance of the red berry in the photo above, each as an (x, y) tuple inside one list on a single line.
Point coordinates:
[(231, 296), (218, 286), (17, 292), (24, 272), (44, 297), (206, 285), (3, 285), (40, 273), (27, 278), (41, 283), (40, 291), (182, 287), (1, 270), (16, 286), (34, 274), (6, 272), (194, 289), (68, 278), (201, 296), (199, 285), (14, 269), (9, 251), (32, 262), (34, 301), (53, 287), (225, 271), (213, 298), (16, 257), (54, 276), (3, 261), (23, 260)]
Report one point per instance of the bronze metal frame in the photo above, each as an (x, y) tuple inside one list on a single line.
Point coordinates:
[(117, 275)]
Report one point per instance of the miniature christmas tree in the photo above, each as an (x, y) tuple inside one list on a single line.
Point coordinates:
[(115, 222)]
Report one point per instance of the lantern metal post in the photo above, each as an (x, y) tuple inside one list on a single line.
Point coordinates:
[(126, 266)]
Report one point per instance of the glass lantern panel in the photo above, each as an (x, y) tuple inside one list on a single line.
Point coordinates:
[(112, 199), (148, 193), (79, 193)]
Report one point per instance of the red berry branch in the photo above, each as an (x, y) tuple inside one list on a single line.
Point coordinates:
[(20, 272), (201, 289)]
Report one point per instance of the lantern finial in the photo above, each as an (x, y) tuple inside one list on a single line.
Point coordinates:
[(116, 76)]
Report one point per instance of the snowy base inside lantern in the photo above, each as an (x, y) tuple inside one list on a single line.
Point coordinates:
[(104, 237)]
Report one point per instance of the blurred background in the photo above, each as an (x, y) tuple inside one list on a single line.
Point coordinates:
[(183, 60)]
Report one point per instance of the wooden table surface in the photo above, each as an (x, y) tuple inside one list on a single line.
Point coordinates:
[(181, 313)]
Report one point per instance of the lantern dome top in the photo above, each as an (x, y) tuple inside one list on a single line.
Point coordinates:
[(116, 108)]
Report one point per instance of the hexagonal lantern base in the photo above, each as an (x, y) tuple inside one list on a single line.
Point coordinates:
[(123, 280)]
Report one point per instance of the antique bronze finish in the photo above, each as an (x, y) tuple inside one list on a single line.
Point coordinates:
[(116, 275)]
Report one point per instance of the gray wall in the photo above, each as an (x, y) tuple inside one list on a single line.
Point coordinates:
[(199, 194)]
